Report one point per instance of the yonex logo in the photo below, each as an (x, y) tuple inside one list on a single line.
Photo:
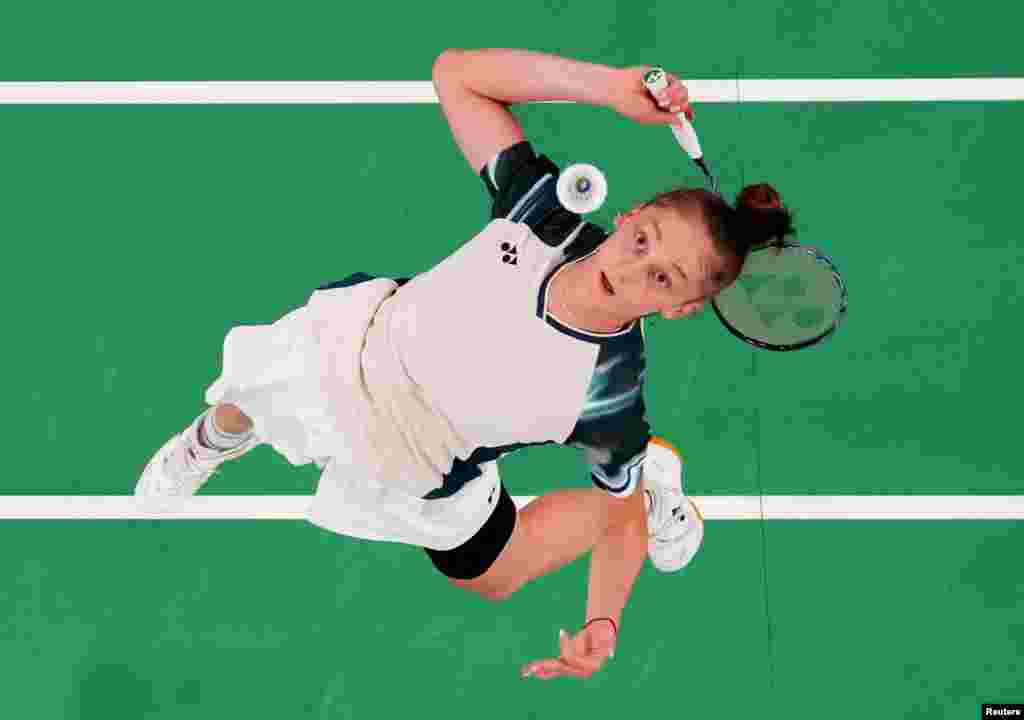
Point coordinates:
[(510, 254)]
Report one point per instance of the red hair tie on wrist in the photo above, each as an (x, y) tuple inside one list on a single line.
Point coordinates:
[(615, 628)]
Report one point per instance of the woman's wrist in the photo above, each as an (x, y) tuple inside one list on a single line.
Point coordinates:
[(614, 625)]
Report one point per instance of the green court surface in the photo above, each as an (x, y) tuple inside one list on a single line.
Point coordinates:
[(136, 237), (266, 620)]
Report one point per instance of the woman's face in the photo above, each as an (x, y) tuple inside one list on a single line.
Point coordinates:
[(656, 261)]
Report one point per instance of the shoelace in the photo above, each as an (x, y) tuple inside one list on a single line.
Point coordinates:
[(665, 519), (183, 462)]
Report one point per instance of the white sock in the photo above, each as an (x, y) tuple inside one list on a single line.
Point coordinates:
[(214, 440)]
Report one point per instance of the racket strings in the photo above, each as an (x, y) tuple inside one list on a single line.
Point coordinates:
[(788, 296)]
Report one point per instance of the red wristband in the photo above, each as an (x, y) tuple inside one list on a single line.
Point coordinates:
[(615, 628)]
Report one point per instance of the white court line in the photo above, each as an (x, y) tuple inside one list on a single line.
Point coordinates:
[(714, 507), (411, 92)]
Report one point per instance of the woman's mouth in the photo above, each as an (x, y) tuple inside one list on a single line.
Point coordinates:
[(606, 284)]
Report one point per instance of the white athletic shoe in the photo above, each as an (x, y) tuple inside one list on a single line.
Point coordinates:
[(674, 522), (177, 471)]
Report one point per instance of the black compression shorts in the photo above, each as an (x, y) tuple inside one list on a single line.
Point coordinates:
[(475, 556)]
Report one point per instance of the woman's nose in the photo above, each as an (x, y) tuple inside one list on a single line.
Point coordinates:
[(628, 272)]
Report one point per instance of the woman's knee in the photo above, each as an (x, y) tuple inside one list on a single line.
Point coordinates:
[(496, 592)]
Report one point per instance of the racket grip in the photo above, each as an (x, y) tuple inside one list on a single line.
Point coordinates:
[(656, 81)]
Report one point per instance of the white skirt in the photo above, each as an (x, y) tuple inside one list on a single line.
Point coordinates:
[(274, 374)]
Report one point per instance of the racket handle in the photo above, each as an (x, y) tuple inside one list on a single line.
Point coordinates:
[(686, 136)]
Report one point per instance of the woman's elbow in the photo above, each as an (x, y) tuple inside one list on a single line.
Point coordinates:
[(446, 62)]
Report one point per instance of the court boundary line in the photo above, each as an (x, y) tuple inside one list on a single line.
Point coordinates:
[(713, 507), (301, 92)]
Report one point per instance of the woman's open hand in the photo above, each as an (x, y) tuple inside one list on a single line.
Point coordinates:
[(580, 655)]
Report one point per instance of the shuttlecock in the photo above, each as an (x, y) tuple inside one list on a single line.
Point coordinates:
[(582, 188)]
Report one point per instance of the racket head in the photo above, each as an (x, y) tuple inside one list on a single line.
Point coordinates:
[(788, 297)]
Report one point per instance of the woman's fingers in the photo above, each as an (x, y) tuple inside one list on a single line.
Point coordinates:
[(589, 664), (551, 668), (675, 98), (575, 653), (577, 658)]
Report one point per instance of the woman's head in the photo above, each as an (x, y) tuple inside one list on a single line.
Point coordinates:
[(673, 253)]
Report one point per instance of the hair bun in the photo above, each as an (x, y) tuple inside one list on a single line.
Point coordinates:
[(760, 216), (759, 197)]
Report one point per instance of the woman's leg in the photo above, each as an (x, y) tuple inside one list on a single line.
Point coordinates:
[(550, 532), (220, 430), (188, 459), (231, 419)]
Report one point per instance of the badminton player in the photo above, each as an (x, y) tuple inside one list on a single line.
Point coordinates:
[(407, 391)]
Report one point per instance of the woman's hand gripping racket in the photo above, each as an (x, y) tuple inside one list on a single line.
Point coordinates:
[(656, 81), (789, 296)]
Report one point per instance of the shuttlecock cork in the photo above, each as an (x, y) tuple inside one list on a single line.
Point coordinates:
[(582, 188)]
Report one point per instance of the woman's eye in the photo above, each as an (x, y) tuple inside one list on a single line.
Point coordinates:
[(641, 240), (661, 278)]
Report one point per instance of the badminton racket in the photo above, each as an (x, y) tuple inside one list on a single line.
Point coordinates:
[(788, 296)]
